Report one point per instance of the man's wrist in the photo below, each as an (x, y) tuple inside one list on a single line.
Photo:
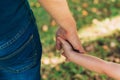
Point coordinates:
[(69, 24)]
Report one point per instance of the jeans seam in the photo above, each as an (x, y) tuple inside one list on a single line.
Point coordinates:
[(18, 35), (13, 54), (24, 68), (34, 57)]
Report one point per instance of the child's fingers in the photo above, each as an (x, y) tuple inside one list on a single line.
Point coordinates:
[(63, 54), (65, 44), (67, 60), (65, 57)]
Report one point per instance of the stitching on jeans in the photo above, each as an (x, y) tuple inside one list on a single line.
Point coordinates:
[(33, 63), (24, 68), (14, 39), (13, 54), (18, 35), (21, 32)]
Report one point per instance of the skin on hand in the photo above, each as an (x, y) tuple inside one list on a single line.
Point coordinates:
[(67, 48), (90, 62), (59, 10), (71, 37)]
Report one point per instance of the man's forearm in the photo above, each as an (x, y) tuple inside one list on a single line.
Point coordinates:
[(59, 10)]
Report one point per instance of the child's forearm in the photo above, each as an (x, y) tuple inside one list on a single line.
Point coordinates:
[(89, 62), (113, 70), (98, 65), (59, 10)]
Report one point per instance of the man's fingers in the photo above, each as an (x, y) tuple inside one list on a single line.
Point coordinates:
[(75, 42), (58, 44)]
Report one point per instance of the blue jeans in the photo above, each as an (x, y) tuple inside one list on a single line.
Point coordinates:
[(21, 62)]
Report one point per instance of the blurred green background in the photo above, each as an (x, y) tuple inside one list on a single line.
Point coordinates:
[(98, 23)]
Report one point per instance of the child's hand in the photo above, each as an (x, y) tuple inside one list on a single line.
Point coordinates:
[(68, 51)]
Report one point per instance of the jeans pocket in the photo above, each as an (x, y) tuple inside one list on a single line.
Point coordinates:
[(22, 59)]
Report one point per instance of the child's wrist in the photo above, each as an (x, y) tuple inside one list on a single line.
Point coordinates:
[(72, 55)]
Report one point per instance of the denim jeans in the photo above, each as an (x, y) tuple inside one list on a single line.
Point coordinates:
[(21, 62)]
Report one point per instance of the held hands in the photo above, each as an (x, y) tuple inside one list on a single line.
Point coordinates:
[(68, 51), (66, 47), (71, 36)]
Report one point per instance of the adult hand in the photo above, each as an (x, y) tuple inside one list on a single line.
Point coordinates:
[(70, 36)]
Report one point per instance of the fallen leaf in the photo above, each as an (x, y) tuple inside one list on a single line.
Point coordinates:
[(85, 5), (32, 4), (45, 28), (53, 23), (94, 10), (113, 44), (37, 5), (84, 13), (105, 47)]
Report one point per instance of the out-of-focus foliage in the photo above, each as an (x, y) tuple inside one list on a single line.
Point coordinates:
[(98, 29)]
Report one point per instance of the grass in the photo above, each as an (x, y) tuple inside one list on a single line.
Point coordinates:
[(86, 12)]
